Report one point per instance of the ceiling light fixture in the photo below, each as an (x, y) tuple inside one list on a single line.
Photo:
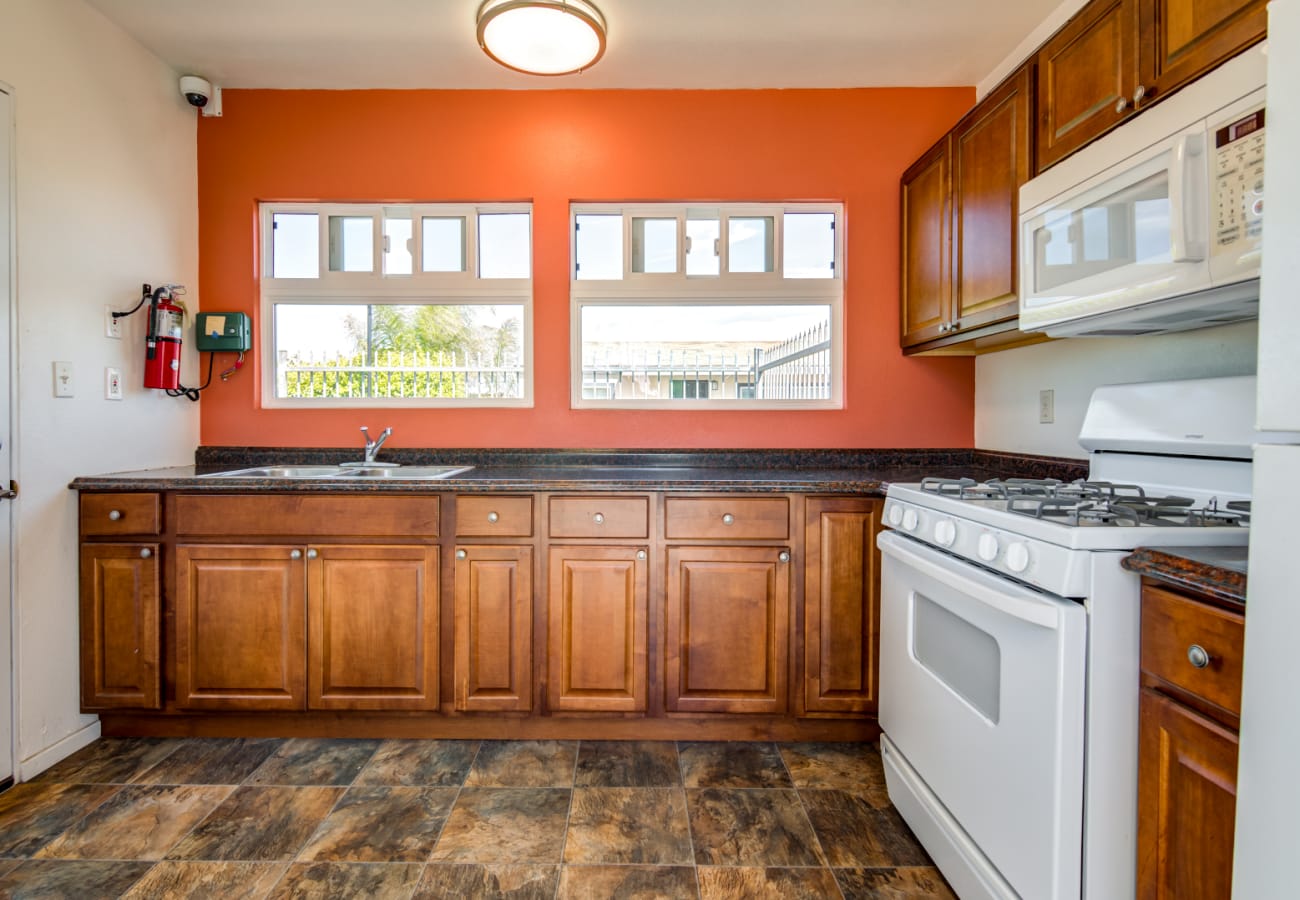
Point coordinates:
[(542, 37)]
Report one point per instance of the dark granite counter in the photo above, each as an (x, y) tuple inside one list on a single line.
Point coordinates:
[(1219, 572), (806, 471)]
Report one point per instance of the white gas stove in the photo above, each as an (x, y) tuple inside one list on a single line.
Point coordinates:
[(1009, 639)]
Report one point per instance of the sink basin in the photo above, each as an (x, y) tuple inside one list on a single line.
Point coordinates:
[(406, 473), (393, 473), (280, 472)]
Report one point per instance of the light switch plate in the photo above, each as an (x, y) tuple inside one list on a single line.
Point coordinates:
[(63, 379), (1046, 407)]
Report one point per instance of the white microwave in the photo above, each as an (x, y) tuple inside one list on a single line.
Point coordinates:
[(1156, 227)]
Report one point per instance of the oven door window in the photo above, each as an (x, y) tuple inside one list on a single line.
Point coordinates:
[(960, 655)]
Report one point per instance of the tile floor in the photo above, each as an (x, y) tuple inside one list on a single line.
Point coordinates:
[(245, 818)]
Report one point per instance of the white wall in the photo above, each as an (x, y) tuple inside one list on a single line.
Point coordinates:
[(106, 199), (1007, 383)]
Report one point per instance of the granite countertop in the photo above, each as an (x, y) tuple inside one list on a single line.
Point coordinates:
[(1219, 572)]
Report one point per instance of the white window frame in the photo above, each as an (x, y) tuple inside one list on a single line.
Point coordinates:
[(464, 288), (724, 289)]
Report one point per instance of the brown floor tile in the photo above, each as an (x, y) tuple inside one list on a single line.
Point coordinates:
[(420, 763), (751, 828), (210, 761), (628, 825), (7, 864), (33, 814), (49, 879), (732, 765), (381, 824), (628, 764), (518, 825), (627, 883), (259, 823), (523, 764), (856, 834), (766, 884), (475, 881), (319, 761), (176, 880), (855, 768), (137, 823), (894, 884), (110, 761), (332, 880)]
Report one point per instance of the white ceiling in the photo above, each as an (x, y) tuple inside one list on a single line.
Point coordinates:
[(652, 43)]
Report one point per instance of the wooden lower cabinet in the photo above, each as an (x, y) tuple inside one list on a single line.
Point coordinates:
[(372, 627), (120, 635), (841, 606), (597, 610), (494, 629), (727, 620), (240, 629)]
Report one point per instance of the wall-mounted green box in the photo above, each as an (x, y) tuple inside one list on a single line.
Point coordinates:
[(223, 331)]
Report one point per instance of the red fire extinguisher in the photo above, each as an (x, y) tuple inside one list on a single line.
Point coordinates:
[(162, 358)]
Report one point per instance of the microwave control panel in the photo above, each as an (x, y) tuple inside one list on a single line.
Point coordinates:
[(1239, 181)]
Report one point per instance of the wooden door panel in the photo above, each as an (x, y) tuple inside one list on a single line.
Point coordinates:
[(240, 630), (1183, 39), (926, 289), (727, 630), (120, 636), (373, 627), (494, 628), (597, 627)]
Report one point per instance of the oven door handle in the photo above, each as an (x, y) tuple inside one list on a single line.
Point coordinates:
[(991, 590)]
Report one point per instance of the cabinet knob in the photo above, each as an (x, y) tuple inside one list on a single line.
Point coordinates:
[(493, 517), (728, 519), (312, 554), (1120, 105), (1139, 95), (954, 324), (461, 554), (145, 553), (114, 514), (1198, 656), (598, 518), (640, 554), (295, 554), (784, 556)]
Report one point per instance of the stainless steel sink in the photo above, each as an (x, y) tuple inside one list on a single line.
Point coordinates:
[(407, 473), (280, 472), (393, 473)]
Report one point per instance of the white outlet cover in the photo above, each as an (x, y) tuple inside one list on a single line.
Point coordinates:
[(112, 326), (112, 383)]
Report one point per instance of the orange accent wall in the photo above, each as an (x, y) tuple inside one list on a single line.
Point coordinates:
[(553, 147)]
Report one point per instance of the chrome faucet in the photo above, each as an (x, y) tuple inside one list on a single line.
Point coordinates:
[(372, 447)]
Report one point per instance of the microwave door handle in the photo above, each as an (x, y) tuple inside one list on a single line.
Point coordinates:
[(1187, 181)]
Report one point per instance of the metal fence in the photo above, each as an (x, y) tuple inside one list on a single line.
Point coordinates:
[(399, 374)]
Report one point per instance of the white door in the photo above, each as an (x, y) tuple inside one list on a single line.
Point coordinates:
[(7, 730)]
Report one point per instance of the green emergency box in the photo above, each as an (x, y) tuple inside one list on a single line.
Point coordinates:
[(215, 331)]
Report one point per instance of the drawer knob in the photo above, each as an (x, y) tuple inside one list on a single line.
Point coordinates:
[(728, 519), (640, 554), (784, 556), (493, 517), (598, 518), (295, 554), (461, 554), (1120, 105), (145, 553), (1198, 656), (312, 554), (114, 514)]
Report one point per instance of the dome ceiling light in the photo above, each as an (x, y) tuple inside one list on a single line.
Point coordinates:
[(542, 37)]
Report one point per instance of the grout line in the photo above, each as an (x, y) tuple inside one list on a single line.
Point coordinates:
[(686, 804), (568, 815)]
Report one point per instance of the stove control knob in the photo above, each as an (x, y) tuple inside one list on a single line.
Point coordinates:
[(910, 520), (895, 514), (945, 532), (1018, 557), (987, 547)]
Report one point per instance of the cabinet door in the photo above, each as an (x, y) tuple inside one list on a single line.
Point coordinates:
[(494, 628), (240, 632), (926, 289), (1087, 73), (841, 606), (990, 161), (1187, 803), (119, 626), (597, 629), (372, 618), (1183, 39), (727, 629)]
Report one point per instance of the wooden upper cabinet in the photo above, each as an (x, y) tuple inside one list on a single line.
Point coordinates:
[(120, 636), (1183, 39), (494, 628), (1087, 75), (372, 614), (926, 288), (991, 158)]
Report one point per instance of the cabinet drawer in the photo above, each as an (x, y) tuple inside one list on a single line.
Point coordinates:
[(114, 514), (286, 515), (599, 517), (727, 518), (1171, 625), (494, 516)]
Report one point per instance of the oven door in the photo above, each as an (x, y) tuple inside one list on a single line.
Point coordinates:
[(982, 694)]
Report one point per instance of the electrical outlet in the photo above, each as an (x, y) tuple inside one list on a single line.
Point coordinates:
[(1046, 407), (63, 379), (112, 383), (112, 324)]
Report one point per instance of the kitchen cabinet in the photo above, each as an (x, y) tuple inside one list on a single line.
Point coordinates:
[(1181, 40), (926, 289), (1191, 656), (841, 606), (120, 636), (494, 628)]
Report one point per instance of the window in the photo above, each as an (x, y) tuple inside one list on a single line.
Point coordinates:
[(681, 306), (410, 305)]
